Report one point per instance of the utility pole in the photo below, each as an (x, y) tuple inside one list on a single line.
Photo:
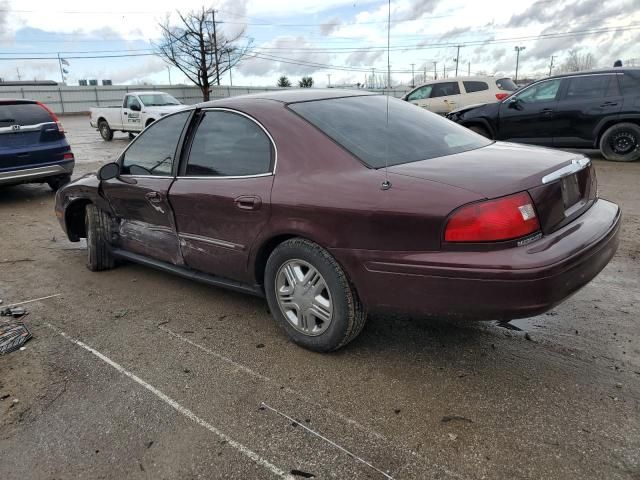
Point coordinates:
[(19, 76), (215, 46), (230, 77), (518, 50), (329, 80), (468, 69), (373, 78), (424, 78), (435, 71), (457, 58), (444, 70), (551, 64), (60, 65), (169, 72), (413, 76)]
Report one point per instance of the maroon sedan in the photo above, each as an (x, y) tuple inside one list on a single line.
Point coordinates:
[(333, 204)]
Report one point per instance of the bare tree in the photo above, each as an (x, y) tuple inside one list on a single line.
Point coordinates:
[(577, 62), (199, 49)]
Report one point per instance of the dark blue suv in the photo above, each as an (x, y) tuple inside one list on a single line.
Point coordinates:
[(33, 147)]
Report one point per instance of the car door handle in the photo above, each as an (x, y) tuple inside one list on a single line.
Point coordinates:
[(154, 197), (609, 104), (547, 112), (248, 202)]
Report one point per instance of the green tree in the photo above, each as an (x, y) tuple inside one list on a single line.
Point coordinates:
[(283, 82), (306, 82)]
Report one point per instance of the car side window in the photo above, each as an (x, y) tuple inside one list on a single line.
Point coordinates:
[(131, 100), (474, 86), (153, 152), (541, 92), (421, 93), (591, 86), (445, 89), (228, 144)]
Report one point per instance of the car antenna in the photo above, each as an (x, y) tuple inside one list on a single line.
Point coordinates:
[(386, 184)]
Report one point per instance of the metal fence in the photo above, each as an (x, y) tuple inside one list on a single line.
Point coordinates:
[(67, 99)]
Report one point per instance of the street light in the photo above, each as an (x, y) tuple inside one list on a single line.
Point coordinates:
[(518, 50)]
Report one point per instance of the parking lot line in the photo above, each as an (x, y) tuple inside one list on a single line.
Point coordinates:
[(175, 405)]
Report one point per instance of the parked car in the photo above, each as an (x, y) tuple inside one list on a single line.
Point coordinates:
[(334, 203), (137, 111), (596, 109), (33, 147), (443, 96)]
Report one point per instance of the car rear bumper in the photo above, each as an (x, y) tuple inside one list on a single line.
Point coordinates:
[(25, 175), (493, 285)]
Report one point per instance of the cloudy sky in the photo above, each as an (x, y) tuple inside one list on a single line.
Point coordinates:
[(342, 38)]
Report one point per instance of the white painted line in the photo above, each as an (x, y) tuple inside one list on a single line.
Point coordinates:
[(264, 378), (330, 442), (175, 405), (32, 300)]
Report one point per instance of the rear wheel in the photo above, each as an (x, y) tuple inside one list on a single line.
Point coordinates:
[(55, 183), (311, 298), (480, 130), (105, 130), (621, 143), (98, 225)]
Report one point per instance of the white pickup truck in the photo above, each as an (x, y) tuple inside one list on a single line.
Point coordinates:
[(138, 110)]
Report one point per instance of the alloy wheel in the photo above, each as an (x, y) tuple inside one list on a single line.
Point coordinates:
[(624, 142)]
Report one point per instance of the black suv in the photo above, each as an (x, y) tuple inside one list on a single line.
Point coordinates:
[(595, 109)]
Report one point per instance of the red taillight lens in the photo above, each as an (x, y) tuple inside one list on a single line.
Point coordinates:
[(68, 156), (505, 218), (502, 96), (53, 116)]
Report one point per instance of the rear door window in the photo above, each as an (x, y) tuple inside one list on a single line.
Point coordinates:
[(475, 86), (23, 114), (153, 152), (592, 86), (445, 89), (228, 144)]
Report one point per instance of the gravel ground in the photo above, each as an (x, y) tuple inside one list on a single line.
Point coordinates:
[(133, 373)]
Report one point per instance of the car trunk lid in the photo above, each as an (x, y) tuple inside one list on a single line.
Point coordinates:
[(561, 184)]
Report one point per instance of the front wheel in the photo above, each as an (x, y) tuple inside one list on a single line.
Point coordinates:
[(98, 225), (621, 143), (105, 130), (311, 298)]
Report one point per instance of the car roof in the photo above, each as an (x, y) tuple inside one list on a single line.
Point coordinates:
[(294, 95), (595, 71), (16, 100), (145, 92)]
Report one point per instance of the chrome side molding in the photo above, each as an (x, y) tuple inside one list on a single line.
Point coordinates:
[(575, 166)]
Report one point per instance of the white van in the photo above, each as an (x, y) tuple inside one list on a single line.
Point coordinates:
[(443, 96)]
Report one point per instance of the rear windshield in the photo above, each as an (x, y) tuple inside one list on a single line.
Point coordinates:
[(506, 84), (22, 114), (360, 125)]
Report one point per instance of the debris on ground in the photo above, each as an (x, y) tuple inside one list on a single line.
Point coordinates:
[(15, 312), (13, 336), (453, 418), (300, 473)]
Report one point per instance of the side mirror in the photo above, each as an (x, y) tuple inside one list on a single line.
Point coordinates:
[(135, 107), (108, 171), (514, 103)]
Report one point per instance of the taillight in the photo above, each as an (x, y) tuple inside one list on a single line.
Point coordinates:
[(502, 96), (501, 219), (53, 116), (68, 156)]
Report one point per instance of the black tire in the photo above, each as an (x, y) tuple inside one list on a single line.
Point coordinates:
[(98, 225), (348, 317), (621, 143), (480, 131), (149, 122), (131, 136), (105, 130), (56, 183)]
